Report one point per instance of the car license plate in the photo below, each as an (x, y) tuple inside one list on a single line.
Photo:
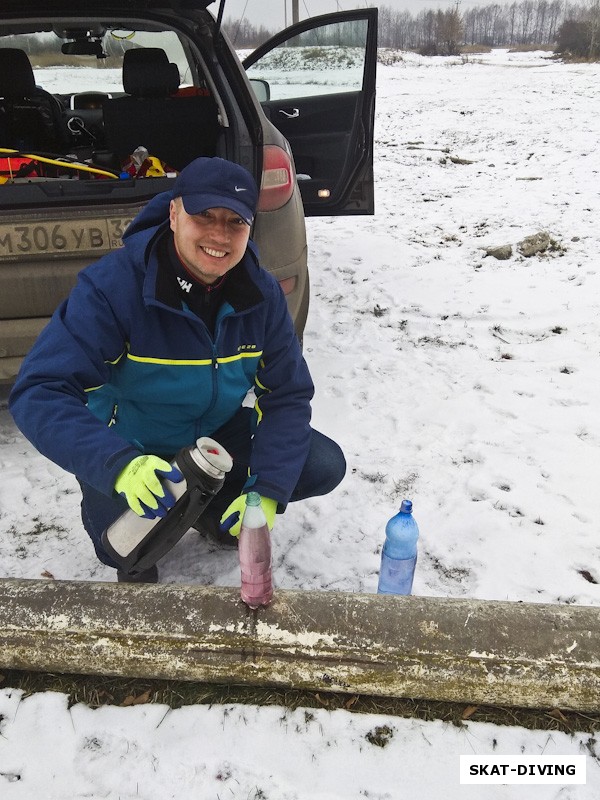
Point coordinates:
[(85, 237)]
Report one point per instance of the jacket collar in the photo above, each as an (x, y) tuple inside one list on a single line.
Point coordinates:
[(241, 293)]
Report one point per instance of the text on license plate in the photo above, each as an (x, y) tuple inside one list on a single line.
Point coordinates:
[(44, 238)]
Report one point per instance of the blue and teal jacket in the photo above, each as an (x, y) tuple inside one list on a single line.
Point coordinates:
[(118, 371)]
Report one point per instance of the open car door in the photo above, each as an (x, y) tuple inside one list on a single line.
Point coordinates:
[(316, 83)]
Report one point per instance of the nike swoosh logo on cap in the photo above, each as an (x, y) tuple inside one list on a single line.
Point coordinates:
[(238, 189)]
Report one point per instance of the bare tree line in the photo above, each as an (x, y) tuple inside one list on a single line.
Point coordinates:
[(528, 22)]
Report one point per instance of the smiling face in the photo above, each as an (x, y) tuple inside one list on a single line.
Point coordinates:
[(210, 243)]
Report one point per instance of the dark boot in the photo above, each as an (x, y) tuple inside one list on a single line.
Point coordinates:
[(149, 575), (208, 525)]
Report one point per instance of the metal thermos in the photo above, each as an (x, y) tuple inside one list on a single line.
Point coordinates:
[(135, 543)]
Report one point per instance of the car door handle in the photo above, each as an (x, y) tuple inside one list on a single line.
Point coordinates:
[(291, 113)]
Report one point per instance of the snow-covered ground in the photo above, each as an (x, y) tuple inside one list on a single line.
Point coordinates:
[(466, 383)]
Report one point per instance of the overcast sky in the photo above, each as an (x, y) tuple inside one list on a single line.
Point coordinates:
[(272, 13)]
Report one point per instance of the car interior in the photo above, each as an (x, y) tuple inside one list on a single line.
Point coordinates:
[(30, 117), (46, 136), (151, 84)]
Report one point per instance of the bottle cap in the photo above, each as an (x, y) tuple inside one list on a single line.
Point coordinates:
[(406, 507), (253, 499)]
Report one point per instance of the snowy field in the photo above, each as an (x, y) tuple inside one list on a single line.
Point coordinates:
[(466, 383)]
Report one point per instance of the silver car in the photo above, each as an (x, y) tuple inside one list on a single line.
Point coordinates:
[(102, 104)]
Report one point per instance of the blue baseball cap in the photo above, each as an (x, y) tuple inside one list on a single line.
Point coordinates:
[(216, 183)]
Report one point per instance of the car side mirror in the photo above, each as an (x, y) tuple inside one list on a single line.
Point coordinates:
[(261, 89)]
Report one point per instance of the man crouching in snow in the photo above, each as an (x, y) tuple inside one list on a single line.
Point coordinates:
[(158, 344)]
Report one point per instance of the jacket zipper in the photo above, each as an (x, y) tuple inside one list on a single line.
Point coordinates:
[(214, 373)]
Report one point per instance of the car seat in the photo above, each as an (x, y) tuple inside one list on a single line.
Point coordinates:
[(30, 117), (174, 129)]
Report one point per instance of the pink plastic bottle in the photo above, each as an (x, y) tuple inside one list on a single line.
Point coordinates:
[(255, 555)]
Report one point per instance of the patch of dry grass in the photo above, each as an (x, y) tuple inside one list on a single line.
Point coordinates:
[(96, 691), (44, 60), (472, 49)]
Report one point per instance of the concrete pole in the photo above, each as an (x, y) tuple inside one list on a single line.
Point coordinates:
[(468, 651)]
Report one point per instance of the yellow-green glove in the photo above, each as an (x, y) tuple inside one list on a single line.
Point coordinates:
[(231, 521), (139, 484)]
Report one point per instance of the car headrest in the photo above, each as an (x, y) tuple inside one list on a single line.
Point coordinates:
[(147, 72), (16, 74)]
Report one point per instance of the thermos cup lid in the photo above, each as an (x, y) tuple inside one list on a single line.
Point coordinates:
[(211, 456)]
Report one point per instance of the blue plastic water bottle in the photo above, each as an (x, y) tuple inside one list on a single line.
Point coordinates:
[(399, 554)]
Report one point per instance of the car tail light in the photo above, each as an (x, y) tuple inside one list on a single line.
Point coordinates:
[(277, 184)]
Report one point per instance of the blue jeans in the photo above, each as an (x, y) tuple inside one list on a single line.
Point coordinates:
[(323, 470)]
